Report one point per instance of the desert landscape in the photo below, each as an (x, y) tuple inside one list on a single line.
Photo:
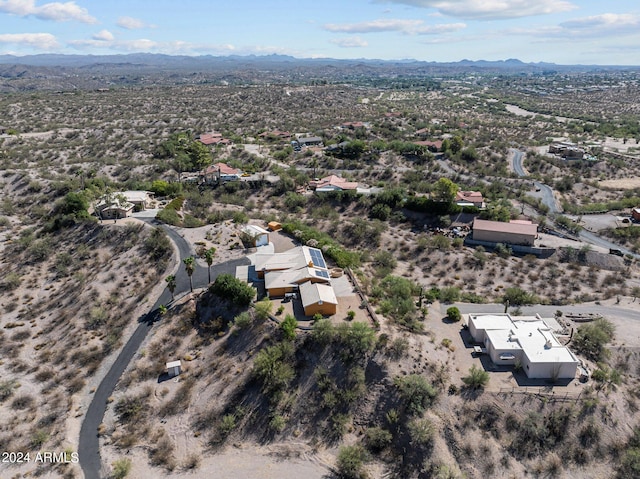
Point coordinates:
[(367, 172)]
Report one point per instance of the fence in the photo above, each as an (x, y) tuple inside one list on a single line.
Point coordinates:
[(363, 299), (543, 392)]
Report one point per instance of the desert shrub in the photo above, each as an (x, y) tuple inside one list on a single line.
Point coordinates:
[(158, 246), (421, 431), (323, 332), (131, 409), (243, 320), (377, 438), (273, 366), (518, 297), (288, 327), (6, 389), (416, 392), (10, 282), (263, 308), (450, 294), (350, 462), (121, 468), (169, 216), (22, 402), (355, 340), (277, 423), (591, 339), (229, 287), (477, 378)]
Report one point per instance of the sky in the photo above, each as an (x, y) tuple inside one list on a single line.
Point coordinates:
[(558, 31)]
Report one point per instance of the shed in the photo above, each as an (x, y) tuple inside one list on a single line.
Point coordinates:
[(635, 213), (517, 233), (259, 236), (274, 226), (174, 368)]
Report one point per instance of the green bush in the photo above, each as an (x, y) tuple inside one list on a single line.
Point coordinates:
[(351, 461), (169, 216), (229, 287), (417, 393), (273, 367), (288, 327), (453, 313), (477, 378), (591, 339), (121, 468)]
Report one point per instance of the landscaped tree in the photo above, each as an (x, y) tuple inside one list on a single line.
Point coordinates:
[(453, 313), (229, 287), (171, 285), (445, 190), (208, 256), (263, 308), (190, 267)]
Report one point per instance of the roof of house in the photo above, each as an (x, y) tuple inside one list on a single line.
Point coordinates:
[(310, 139), (501, 227), (254, 230), (534, 337), (281, 134), (314, 293), (223, 168), (295, 258), (333, 182), (470, 196)]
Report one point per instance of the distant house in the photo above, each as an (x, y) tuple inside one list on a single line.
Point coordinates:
[(432, 146), (310, 141), (515, 232), (213, 138), (567, 150), (220, 172), (275, 134), (528, 342), (332, 183), (258, 236), (122, 204), (635, 213), (470, 198), (318, 298), (352, 125)]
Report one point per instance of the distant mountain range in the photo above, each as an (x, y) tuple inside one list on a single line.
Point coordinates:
[(82, 72), (205, 61)]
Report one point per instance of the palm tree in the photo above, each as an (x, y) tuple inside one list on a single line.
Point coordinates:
[(208, 256), (190, 266), (171, 285)]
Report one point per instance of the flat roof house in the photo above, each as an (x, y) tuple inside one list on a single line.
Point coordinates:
[(310, 141), (514, 232), (528, 342)]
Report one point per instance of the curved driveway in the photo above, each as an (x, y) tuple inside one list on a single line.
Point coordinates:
[(89, 443)]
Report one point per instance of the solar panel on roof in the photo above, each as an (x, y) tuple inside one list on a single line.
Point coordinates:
[(316, 257), (322, 274)]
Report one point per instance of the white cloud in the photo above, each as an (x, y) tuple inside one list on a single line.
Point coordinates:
[(410, 27), (597, 26), (103, 36), (56, 11), (350, 42), (130, 23), (42, 41), (490, 9)]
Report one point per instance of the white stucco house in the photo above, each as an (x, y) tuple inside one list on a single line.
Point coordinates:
[(527, 341)]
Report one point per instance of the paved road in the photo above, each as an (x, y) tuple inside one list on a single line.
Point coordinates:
[(549, 200), (547, 193), (88, 444)]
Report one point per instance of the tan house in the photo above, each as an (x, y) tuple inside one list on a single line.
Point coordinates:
[(318, 298), (515, 232), (470, 198), (332, 183)]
